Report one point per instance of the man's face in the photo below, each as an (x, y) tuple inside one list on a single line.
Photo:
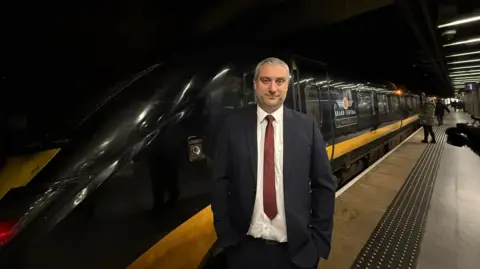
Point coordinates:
[(271, 86)]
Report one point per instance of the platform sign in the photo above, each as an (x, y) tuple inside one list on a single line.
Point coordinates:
[(471, 86)]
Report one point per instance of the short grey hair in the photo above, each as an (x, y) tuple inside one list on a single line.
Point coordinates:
[(272, 61)]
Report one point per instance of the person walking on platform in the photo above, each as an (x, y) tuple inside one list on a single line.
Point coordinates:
[(440, 109), (273, 189), (427, 119)]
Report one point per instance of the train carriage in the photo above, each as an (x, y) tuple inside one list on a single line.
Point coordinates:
[(140, 159)]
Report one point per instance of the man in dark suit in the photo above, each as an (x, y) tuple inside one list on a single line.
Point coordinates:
[(273, 190)]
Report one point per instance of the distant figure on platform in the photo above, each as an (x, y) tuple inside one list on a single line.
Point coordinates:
[(454, 105), (427, 118), (440, 109), (273, 189)]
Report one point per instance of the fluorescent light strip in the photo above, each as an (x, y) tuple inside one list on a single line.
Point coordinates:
[(463, 82), (463, 54), (468, 79), (464, 67), (462, 21), (466, 61), (475, 75), (465, 71), (468, 41), (465, 75)]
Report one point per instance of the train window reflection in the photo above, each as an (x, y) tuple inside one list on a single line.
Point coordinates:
[(394, 101), (382, 104), (250, 98), (408, 102), (312, 100), (365, 104)]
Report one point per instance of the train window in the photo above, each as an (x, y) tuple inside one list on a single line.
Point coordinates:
[(312, 102), (394, 101), (402, 101), (229, 95), (365, 104), (387, 105), (382, 104), (226, 94), (372, 97), (249, 90), (408, 102)]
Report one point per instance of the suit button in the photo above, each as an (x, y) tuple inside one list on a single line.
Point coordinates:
[(310, 225)]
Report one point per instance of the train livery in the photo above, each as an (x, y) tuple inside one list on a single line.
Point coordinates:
[(139, 161)]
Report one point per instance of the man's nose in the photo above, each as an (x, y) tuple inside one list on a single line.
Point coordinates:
[(273, 88)]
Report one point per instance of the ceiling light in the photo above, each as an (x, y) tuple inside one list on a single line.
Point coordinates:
[(462, 21), (465, 75), (464, 67), (464, 81), (468, 41), (465, 71), (466, 61), (464, 78), (464, 54)]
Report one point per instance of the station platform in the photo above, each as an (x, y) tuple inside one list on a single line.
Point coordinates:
[(417, 207)]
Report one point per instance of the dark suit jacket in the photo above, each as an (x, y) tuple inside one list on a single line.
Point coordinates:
[(309, 187)]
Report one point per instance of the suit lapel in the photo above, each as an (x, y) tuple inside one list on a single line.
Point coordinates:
[(288, 144), (251, 136)]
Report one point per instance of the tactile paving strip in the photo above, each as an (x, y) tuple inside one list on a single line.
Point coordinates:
[(395, 241)]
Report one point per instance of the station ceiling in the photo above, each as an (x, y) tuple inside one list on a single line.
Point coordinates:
[(396, 40), (91, 46)]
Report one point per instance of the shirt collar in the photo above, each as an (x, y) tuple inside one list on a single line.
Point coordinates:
[(278, 114)]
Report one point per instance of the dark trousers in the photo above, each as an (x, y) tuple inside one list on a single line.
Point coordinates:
[(253, 253), (428, 129), (440, 119)]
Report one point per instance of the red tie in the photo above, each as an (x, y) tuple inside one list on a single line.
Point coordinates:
[(269, 199)]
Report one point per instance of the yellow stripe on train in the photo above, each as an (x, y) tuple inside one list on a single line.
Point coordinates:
[(364, 139), (19, 170)]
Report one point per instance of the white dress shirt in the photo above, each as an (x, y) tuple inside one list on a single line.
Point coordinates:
[(261, 226)]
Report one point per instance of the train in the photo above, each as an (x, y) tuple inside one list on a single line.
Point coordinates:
[(139, 161)]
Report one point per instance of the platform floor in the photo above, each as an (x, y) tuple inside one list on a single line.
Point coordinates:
[(452, 233), (418, 208)]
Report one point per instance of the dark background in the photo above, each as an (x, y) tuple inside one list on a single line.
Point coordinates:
[(62, 54)]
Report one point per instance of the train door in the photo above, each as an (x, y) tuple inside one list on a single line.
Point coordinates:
[(311, 95), (382, 104), (366, 109)]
